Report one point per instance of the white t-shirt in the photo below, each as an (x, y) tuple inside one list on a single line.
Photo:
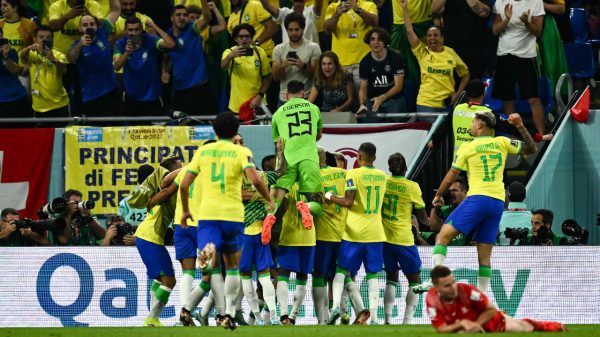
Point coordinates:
[(516, 39), (307, 52), (310, 31)]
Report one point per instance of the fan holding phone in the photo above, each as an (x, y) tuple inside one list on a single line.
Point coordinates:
[(248, 69)]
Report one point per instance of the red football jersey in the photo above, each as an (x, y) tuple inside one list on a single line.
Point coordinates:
[(469, 304)]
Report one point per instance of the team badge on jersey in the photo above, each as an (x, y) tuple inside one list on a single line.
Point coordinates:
[(349, 183), (475, 296)]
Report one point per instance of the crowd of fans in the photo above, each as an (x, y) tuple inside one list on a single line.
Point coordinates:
[(117, 57)]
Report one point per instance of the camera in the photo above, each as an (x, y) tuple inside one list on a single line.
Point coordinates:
[(90, 32), (58, 224), (86, 205), (515, 234), (579, 236), (56, 206), (544, 234), (124, 229)]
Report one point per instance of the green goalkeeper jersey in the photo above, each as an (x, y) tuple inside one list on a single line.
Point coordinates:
[(298, 122)]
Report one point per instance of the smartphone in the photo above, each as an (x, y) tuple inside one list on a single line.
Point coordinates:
[(47, 45), (91, 32), (248, 51), (80, 3), (136, 40), (3, 42), (292, 54)]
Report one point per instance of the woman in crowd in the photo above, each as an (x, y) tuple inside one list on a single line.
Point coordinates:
[(437, 64), (17, 28), (333, 89)]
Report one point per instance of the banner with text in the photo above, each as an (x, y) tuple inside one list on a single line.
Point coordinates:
[(102, 162), (403, 138), (25, 158), (108, 286)]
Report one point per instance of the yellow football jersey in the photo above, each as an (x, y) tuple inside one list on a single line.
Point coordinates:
[(153, 228), (193, 199), (484, 159), (293, 232), (401, 196), (220, 167), (363, 222), (330, 225)]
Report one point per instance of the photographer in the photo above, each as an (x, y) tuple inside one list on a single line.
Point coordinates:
[(541, 230), (516, 216), (82, 227), (13, 233), (119, 232), (458, 192)]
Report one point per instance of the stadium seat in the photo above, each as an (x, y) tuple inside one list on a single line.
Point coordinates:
[(579, 24), (580, 58), (522, 106)]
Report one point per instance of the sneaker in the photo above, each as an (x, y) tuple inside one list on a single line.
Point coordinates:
[(152, 322), (422, 288), (239, 318), (362, 317), (260, 322), (185, 318), (292, 321), (373, 322), (307, 218), (333, 316), (206, 259), (265, 235), (228, 322), (275, 321), (345, 319)]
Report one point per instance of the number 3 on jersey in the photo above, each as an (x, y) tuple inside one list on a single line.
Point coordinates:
[(302, 118), (220, 176)]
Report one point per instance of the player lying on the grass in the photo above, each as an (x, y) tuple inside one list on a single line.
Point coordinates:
[(460, 307)]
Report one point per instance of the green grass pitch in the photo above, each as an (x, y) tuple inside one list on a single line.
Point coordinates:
[(280, 331)]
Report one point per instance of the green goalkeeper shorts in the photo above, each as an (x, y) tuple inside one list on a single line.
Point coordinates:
[(308, 175)]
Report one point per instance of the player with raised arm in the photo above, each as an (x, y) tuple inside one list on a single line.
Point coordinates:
[(362, 241), (298, 122), (399, 250), (329, 227), (221, 167), (483, 159), (460, 307)]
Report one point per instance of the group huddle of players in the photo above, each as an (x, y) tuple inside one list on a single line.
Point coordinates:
[(315, 219)]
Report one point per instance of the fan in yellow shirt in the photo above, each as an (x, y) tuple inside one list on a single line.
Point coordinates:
[(46, 69), (483, 159), (399, 250), (220, 167), (362, 241), (437, 64), (64, 16), (253, 13), (248, 68)]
